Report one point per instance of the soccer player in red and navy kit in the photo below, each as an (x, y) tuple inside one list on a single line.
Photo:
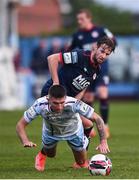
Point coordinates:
[(79, 68), (88, 34)]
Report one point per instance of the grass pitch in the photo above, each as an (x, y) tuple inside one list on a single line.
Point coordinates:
[(18, 162)]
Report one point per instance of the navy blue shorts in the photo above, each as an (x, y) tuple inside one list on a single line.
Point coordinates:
[(46, 87)]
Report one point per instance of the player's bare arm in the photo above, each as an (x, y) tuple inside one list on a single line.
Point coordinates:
[(20, 129), (53, 62), (103, 146), (100, 126)]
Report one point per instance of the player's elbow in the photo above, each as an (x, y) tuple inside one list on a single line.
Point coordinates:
[(49, 58), (95, 117), (53, 58)]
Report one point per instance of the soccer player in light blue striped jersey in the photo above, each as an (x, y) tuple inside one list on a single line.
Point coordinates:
[(61, 121)]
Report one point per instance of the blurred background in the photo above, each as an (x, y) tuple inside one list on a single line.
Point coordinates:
[(31, 30)]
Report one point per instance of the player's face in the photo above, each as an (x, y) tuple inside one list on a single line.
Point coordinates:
[(57, 104), (83, 20), (102, 53)]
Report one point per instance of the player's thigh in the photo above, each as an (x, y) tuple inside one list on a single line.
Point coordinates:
[(86, 122), (49, 145), (102, 92), (79, 142), (88, 96), (46, 87)]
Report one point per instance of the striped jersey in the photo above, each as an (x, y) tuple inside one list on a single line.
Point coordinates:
[(63, 124)]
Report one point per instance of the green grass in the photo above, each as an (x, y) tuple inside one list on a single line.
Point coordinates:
[(18, 162)]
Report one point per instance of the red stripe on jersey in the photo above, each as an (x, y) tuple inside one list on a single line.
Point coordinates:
[(61, 58), (91, 62)]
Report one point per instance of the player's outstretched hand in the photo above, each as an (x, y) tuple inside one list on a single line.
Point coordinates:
[(29, 144), (103, 147), (55, 83)]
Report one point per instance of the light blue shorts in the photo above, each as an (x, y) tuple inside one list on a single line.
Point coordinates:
[(78, 142)]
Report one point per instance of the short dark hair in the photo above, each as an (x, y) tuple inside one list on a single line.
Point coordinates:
[(86, 11), (108, 41), (57, 91)]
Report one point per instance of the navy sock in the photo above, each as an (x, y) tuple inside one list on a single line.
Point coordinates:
[(87, 131), (43, 151), (104, 110)]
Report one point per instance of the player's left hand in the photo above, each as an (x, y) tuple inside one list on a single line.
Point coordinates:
[(103, 147), (29, 144)]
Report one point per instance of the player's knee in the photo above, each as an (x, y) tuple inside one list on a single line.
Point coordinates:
[(103, 96), (51, 155), (103, 92), (49, 152), (86, 122), (88, 98)]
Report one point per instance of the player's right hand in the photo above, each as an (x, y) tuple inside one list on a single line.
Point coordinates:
[(103, 147), (29, 144), (55, 83)]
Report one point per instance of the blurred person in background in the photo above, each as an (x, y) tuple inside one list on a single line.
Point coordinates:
[(79, 68), (55, 46), (39, 66), (85, 37)]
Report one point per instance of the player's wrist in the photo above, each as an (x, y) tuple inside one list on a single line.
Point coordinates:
[(55, 82), (102, 141), (25, 141)]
